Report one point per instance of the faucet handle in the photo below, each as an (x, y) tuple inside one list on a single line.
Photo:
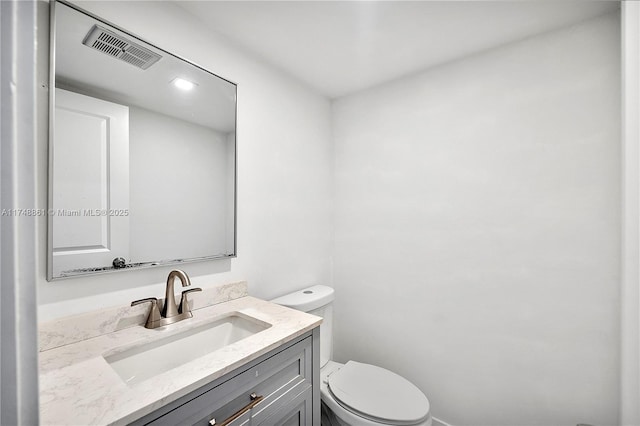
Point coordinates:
[(154, 313), (141, 301), (184, 302)]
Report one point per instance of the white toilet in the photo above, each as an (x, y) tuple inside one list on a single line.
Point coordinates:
[(356, 394)]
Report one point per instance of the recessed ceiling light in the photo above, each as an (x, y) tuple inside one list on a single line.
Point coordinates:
[(183, 84)]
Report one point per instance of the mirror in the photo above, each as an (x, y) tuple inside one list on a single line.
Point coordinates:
[(142, 153)]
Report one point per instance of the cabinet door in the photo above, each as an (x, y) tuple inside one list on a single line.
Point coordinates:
[(298, 412)]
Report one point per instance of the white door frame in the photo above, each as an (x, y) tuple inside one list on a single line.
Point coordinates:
[(18, 305), (630, 290)]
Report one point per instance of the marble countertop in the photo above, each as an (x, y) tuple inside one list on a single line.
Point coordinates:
[(78, 387)]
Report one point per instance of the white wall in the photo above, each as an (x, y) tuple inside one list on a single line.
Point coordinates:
[(284, 174), (231, 191), (477, 230)]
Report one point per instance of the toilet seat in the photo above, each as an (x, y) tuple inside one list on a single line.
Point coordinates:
[(378, 394)]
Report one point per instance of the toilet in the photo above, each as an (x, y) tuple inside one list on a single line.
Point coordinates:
[(357, 394)]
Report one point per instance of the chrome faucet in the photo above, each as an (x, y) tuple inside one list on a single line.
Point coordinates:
[(170, 312)]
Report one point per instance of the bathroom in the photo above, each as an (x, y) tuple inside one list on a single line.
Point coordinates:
[(475, 216)]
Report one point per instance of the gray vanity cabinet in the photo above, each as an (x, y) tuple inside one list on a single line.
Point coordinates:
[(279, 388)]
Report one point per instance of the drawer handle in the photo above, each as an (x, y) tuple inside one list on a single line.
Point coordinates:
[(255, 399)]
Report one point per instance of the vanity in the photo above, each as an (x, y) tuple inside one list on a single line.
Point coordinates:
[(238, 361)]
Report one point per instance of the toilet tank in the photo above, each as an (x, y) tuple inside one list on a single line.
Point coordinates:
[(316, 300)]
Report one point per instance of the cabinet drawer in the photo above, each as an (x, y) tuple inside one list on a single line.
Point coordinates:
[(278, 379)]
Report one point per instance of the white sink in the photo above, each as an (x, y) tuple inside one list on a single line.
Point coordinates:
[(144, 361)]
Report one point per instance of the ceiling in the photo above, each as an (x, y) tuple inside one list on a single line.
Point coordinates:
[(341, 47)]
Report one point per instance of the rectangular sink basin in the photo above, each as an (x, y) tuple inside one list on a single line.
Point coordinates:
[(148, 360)]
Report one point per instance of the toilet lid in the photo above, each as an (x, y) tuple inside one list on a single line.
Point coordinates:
[(378, 394)]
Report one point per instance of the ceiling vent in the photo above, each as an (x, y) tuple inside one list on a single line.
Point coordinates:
[(119, 47)]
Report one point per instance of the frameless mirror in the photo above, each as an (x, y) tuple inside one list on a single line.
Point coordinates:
[(142, 152)]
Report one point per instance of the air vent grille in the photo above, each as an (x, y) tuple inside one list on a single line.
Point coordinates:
[(119, 47)]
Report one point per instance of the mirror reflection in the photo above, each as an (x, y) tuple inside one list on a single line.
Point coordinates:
[(142, 153)]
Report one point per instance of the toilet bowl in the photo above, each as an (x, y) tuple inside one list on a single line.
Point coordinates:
[(354, 393)]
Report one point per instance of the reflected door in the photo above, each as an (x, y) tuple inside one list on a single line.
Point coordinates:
[(91, 182)]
